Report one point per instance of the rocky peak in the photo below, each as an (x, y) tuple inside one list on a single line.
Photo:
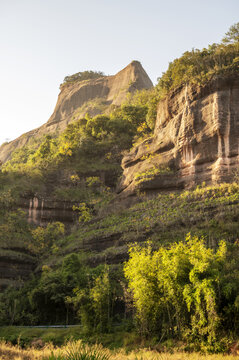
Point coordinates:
[(93, 96)]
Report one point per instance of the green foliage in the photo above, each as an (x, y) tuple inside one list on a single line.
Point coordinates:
[(93, 181), (209, 211), (188, 290), (86, 141), (48, 298), (232, 36), (178, 291), (68, 290), (83, 211), (80, 351), (84, 75), (90, 147), (200, 66), (93, 303), (100, 295), (44, 239), (146, 99), (151, 173), (44, 154), (15, 231)]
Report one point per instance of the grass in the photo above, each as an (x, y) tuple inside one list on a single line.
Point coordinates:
[(25, 336), (80, 351)]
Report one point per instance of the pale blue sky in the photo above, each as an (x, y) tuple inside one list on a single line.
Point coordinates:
[(42, 41)]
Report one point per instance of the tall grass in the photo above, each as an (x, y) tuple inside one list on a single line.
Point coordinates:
[(79, 351)]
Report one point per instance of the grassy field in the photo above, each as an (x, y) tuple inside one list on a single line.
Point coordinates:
[(78, 351), (26, 336)]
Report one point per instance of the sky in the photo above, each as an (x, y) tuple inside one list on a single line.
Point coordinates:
[(42, 41)]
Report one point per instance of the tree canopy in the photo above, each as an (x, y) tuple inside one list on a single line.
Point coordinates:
[(232, 36)]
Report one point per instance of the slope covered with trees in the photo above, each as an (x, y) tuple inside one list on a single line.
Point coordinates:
[(179, 281)]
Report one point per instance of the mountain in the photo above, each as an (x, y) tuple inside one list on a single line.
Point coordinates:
[(158, 170), (93, 96)]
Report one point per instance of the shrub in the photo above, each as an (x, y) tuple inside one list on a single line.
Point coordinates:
[(80, 351)]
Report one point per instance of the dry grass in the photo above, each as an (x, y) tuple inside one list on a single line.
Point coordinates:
[(151, 355), (10, 352)]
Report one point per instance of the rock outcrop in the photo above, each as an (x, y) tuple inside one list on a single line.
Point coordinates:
[(196, 139), (80, 97)]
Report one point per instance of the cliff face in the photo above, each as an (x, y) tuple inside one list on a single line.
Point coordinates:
[(42, 211), (196, 139), (88, 96)]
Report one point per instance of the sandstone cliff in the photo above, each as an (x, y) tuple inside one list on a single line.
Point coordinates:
[(196, 139), (81, 97)]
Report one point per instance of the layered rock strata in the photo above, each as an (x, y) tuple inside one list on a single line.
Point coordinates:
[(41, 211), (196, 139)]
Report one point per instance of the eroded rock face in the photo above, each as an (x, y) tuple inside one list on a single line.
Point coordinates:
[(41, 211), (89, 96), (196, 139)]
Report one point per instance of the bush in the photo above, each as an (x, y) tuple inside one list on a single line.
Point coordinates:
[(84, 75), (182, 291)]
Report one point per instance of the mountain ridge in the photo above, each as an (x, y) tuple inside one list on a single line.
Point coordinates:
[(75, 101)]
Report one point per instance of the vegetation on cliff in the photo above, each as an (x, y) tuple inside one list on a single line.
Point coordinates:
[(181, 285), (83, 75), (201, 66), (99, 141), (168, 304), (92, 143)]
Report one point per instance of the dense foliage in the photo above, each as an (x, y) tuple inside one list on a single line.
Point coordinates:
[(71, 293), (186, 291), (97, 143), (200, 66), (84, 75), (93, 143)]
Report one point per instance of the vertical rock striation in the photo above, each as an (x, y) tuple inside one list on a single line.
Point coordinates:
[(196, 139)]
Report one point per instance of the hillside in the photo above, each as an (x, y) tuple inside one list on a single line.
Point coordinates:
[(195, 140), (93, 96), (128, 213)]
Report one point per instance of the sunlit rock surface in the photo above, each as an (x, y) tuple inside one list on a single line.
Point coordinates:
[(196, 139), (89, 96)]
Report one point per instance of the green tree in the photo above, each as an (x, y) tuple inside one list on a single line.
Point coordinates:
[(44, 239), (176, 291), (100, 294), (232, 36), (84, 212), (49, 296)]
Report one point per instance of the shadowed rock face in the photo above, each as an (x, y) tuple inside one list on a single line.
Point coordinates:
[(41, 211), (88, 96), (196, 139)]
